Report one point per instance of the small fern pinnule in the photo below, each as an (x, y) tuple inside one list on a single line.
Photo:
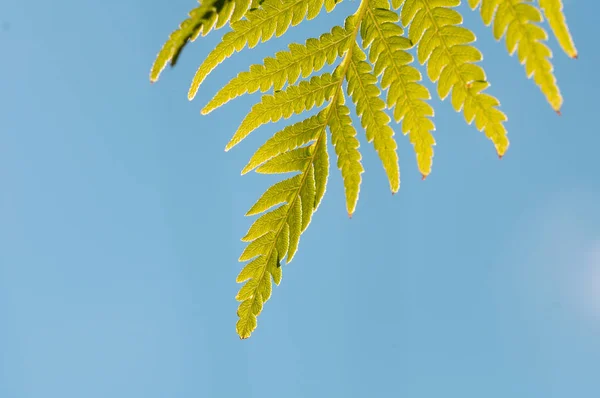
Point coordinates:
[(375, 74)]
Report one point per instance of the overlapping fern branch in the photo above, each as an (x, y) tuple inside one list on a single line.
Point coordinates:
[(376, 66), (202, 19)]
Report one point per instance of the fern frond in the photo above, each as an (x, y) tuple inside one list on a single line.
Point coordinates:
[(295, 99), (553, 10), (273, 18), (363, 90), (406, 95), (444, 46), (518, 19), (379, 62), (286, 67), (202, 19)]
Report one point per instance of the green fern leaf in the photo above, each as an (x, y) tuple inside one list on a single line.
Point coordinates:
[(273, 18), (275, 195), (294, 160), (518, 19), (388, 53), (379, 62), (321, 165), (276, 234), (202, 19), (286, 67), (343, 137), (290, 137), (295, 99), (307, 197), (365, 94), (266, 223), (553, 10), (255, 292), (450, 59)]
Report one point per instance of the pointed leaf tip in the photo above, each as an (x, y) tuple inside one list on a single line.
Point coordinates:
[(229, 146), (558, 112), (423, 177)]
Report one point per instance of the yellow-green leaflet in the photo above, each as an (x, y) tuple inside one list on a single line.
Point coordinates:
[(295, 99), (343, 136), (286, 67), (518, 20), (365, 94), (387, 51), (290, 137), (372, 55), (451, 62), (554, 14)]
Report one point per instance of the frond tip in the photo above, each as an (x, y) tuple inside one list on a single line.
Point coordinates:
[(553, 10), (275, 235)]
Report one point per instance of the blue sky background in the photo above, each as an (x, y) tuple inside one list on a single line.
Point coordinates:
[(121, 218)]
